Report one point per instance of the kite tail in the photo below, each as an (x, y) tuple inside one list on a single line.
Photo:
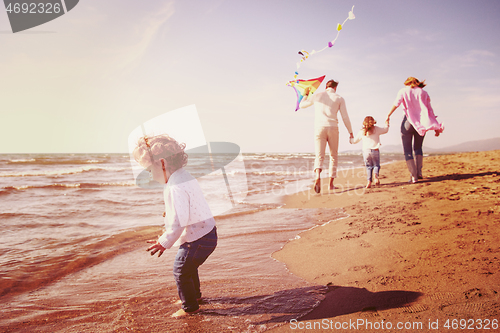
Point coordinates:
[(306, 54)]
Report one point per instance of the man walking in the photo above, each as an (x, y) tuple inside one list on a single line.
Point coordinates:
[(326, 105)]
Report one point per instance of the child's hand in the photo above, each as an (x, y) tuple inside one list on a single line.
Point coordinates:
[(307, 91), (156, 247)]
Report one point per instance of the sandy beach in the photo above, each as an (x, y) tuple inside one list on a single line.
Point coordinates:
[(410, 257), (422, 256)]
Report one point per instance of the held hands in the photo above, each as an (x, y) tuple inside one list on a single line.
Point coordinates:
[(156, 247)]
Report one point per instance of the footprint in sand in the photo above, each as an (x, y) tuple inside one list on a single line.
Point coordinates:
[(367, 268)]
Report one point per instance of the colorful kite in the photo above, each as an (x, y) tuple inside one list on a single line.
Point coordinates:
[(301, 85), (306, 55)]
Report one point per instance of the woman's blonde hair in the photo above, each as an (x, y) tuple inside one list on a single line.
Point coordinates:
[(414, 82), (368, 124), (152, 148)]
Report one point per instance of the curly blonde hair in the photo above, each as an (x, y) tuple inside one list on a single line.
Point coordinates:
[(414, 82), (152, 148), (368, 124)]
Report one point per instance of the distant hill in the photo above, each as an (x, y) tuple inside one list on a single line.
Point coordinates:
[(469, 146), (479, 145)]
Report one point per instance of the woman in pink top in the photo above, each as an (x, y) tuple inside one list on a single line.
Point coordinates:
[(418, 119)]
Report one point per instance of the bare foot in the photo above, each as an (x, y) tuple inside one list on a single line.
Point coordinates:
[(200, 301), (331, 187), (317, 185), (376, 182), (369, 184), (181, 313)]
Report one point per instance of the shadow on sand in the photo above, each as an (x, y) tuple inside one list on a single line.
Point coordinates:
[(346, 300), (284, 305), (454, 176)]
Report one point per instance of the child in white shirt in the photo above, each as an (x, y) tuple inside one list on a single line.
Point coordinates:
[(189, 222), (370, 134)]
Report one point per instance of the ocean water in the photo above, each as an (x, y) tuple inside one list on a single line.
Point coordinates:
[(74, 228)]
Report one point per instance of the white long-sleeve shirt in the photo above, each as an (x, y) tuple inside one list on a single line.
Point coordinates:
[(372, 139), (188, 216), (326, 105)]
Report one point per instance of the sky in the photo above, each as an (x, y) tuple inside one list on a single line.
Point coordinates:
[(84, 81)]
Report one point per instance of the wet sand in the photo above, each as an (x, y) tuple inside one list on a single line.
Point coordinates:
[(415, 257), (244, 289)]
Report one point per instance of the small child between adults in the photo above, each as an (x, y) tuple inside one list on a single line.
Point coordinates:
[(370, 134)]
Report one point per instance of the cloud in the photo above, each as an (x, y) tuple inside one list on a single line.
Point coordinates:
[(484, 96), (144, 33), (407, 39), (475, 58), (469, 59)]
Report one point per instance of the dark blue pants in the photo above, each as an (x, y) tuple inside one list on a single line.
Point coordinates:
[(189, 257), (371, 158), (410, 137)]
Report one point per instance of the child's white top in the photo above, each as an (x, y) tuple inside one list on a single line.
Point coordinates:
[(188, 216), (372, 140)]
